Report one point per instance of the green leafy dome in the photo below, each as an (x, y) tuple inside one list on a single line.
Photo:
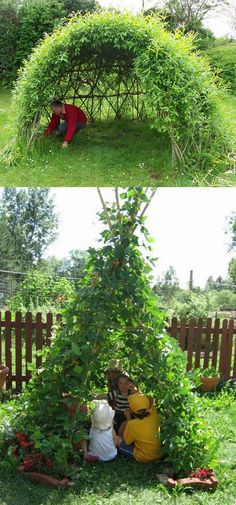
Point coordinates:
[(102, 56)]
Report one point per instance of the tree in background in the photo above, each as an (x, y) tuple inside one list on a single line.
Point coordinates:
[(72, 266), (231, 230), (215, 284), (232, 274), (24, 22), (9, 27), (167, 285), (188, 16), (29, 225), (82, 6)]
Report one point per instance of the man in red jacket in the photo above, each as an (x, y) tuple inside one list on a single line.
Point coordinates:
[(74, 119)]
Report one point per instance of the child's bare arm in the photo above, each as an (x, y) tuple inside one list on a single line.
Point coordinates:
[(122, 428), (116, 439)]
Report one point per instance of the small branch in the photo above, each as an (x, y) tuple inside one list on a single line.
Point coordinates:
[(147, 204), (105, 209), (117, 199)]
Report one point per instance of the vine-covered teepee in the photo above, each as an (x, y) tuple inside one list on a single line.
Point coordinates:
[(114, 314)]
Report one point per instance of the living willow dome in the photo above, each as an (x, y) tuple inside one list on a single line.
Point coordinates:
[(116, 65)]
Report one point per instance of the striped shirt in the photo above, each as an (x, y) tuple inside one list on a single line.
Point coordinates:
[(118, 401)]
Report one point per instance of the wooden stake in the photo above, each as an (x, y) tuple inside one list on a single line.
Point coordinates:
[(147, 204), (105, 209)]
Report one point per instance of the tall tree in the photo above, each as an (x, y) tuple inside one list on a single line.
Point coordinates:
[(29, 225), (232, 274), (167, 285), (187, 13), (82, 6), (231, 230)]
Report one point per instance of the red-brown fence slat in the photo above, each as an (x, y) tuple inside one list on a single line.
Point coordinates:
[(207, 343), (18, 348), (49, 328), (234, 364), (28, 343), (1, 338), (8, 354), (190, 344), (39, 338), (174, 328), (215, 347), (228, 350), (183, 334), (223, 347), (198, 343)]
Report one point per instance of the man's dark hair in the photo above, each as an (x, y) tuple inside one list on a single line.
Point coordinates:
[(56, 103)]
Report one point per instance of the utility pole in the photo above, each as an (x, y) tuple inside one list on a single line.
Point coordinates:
[(191, 280), (143, 2)]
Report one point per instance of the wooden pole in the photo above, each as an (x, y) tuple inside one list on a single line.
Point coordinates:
[(147, 204), (191, 280), (105, 209)]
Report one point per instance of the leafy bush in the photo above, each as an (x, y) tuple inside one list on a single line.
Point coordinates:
[(225, 300), (114, 313), (39, 292), (223, 61), (24, 23), (180, 92), (191, 306), (208, 372)]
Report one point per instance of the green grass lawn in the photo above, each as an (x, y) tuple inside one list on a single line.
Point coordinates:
[(122, 481), (117, 153)]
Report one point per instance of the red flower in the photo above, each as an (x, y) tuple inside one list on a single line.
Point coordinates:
[(49, 462), (24, 444), (202, 473), (84, 408), (71, 409)]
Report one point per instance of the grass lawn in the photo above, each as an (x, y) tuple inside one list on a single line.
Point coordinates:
[(117, 153), (122, 481)]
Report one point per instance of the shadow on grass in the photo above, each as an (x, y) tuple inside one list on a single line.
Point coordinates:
[(98, 479)]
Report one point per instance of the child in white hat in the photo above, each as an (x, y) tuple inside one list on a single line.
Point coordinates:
[(103, 440)]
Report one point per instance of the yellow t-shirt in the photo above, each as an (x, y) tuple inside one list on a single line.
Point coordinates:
[(143, 433)]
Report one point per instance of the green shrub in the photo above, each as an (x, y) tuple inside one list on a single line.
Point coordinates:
[(9, 29), (23, 24), (223, 61), (191, 306), (41, 293)]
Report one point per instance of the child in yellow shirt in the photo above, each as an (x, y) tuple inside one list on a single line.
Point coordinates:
[(140, 435)]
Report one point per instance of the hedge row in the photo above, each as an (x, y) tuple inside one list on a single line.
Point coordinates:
[(23, 24), (223, 61)]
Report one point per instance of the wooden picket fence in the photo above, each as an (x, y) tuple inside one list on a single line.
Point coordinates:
[(207, 345)]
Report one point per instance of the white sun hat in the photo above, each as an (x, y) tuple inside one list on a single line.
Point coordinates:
[(102, 416)]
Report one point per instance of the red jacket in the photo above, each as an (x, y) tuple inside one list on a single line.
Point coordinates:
[(72, 115)]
